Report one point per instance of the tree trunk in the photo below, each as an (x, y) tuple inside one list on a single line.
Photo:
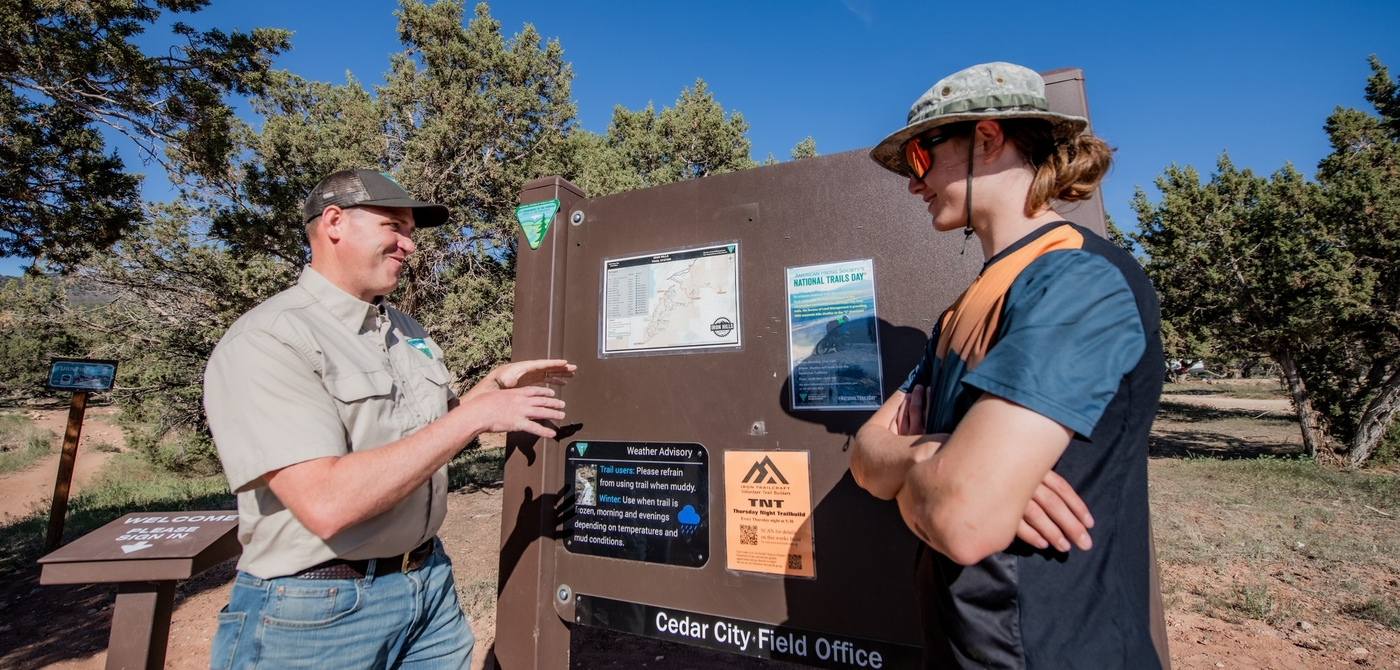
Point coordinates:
[(1375, 420), (1314, 438)]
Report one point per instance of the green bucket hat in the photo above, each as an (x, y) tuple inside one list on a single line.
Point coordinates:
[(987, 91)]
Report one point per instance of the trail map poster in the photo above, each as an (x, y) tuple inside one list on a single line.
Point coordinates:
[(686, 299)]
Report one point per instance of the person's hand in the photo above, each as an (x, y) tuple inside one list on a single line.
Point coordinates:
[(529, 373), (1056, 516), (910, 418), (516, 410)]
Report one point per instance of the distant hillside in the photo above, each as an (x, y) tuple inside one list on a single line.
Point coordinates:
[(79, 291)]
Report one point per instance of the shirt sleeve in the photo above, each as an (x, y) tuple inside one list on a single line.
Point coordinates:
[(1070, 330), (267, 408), (922, 374)]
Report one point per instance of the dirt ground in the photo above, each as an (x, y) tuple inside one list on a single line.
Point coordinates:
[(67, 627), (20, 491)]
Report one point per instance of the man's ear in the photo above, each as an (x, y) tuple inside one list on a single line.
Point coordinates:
[(333, 222)]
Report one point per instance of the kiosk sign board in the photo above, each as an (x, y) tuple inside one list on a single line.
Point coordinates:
[(707, 498), (82, 374)]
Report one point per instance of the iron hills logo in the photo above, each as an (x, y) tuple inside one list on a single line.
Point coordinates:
[(765, 472)]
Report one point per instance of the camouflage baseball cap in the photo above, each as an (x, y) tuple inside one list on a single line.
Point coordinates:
[(987, 91), (351, 188)]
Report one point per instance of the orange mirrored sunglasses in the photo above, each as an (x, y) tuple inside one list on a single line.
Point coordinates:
[(918, 154)]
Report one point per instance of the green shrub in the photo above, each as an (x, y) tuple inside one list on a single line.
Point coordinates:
[(1388, 451)]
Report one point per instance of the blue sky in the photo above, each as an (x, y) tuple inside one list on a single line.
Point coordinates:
[(1167, 83)]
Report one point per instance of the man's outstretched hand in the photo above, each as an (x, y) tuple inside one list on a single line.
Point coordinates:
[(529, 373), (516, 410)]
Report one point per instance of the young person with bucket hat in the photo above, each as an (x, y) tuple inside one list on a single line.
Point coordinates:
[(1033, 400)]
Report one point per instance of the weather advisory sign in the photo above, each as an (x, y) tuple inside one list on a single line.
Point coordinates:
[(833, 340), (686, 299), (768, 512), (640, 501)]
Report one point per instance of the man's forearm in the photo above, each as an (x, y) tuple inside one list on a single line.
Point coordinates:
[(329, 495)]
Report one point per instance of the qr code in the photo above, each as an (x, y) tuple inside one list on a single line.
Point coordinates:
[(748, 534), (794, 561)]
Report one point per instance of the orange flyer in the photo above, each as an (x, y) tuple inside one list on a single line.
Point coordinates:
[(768, 512)]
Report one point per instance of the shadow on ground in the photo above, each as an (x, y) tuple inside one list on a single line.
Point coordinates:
[(1184, 430)]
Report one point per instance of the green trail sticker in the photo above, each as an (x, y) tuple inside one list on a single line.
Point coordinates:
[(534, 219), (582, 447)]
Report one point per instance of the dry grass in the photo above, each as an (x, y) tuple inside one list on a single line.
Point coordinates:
[(1248, 529), (22, 444)]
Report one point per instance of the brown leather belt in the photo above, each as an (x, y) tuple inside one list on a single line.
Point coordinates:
[(340, 568)]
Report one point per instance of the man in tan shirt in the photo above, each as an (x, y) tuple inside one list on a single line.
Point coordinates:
[(334, 421)]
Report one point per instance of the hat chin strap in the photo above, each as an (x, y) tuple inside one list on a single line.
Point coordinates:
[(967, 231)]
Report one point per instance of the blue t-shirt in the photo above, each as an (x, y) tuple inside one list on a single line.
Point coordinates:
[(1065, 324)]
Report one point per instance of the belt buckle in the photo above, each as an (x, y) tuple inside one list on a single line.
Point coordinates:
[(404, 566)]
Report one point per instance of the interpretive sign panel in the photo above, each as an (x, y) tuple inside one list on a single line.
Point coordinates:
[(822, 650), (768, 512), (672, 301), (82, 374), (833, 341), (640, 501)]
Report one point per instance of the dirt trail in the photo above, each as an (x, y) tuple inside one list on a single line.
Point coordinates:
[(1270, 405), (21, 492)]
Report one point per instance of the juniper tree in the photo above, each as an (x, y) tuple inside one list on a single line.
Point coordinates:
[(1305, 273), (68, 69)]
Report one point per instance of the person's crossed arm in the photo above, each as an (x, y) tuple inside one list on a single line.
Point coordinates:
[(970, 493)]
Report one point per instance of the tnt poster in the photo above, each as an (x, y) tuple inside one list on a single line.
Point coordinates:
[(768, 512)]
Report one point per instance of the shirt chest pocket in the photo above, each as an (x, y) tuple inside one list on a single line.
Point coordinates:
[(358, 386), (431, 379), (365, 402)]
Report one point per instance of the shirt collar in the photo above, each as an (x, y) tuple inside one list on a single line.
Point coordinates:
[(356, 314)]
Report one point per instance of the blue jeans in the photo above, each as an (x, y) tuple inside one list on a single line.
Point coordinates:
[(396, 620)]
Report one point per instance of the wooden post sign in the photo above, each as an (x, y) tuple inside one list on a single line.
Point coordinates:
[(144, 554), (81, 376)]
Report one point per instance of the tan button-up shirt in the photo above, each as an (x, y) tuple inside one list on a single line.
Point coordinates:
[(316, 372)]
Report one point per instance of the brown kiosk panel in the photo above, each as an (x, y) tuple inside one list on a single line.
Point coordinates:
[(841, 207)]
